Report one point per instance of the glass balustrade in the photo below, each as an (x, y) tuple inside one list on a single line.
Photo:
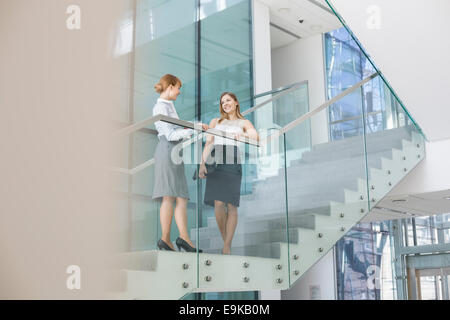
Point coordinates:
[(393, 140), (142, 226), (347, 59), (277, 108), (393, 152), (326, 191), (255, 227), (146, 219), (337, 183), (271, 111), (291, 211), (302, 186)]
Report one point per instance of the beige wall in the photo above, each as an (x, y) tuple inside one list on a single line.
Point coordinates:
[(58, 89)]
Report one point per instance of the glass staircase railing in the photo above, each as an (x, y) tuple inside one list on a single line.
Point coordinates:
[(297, 200), (303, 186), (140, 263), (339, 182), (257, 261), (139, 224), (141, 227), (359, 49)]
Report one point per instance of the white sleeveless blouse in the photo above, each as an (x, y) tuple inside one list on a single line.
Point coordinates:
[(229, 126)]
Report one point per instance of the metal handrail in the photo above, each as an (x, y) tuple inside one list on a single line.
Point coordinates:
[(275, 97), (356, 117), (151, 120), (278, 133), (159, 117), (280, 92), (327, 103), (286, 89), (182, 123), (279, 89)]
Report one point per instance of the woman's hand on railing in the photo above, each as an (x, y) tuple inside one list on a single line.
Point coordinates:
[(202, 172), (201, 126), (239, 136)]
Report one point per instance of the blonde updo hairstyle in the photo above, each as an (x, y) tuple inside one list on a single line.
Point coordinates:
[(165, 82)]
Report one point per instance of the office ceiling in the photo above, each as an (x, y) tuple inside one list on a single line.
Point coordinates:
[(285, 17), (410, 206)]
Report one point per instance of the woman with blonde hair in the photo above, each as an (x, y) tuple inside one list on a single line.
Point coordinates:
[(223, 185), (169, 180)]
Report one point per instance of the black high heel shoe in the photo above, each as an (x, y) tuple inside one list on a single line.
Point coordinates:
[(164, 246), (183, 244)]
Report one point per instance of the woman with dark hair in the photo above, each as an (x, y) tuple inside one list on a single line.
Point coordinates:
[(169, 181), (223, 186)]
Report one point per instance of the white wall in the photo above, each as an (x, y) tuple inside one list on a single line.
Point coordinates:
[(411, 48), (318, 283), (303, 60), (432, 174), (262, 71)]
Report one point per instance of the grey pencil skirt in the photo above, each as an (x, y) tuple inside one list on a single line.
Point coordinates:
[(169, 178)]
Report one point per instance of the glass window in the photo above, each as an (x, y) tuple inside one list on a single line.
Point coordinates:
[(364, 267), (346, 65), (428, 290)]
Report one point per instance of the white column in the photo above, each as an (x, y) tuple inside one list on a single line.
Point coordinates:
[(262, 79), (303, 60), (261, 48)]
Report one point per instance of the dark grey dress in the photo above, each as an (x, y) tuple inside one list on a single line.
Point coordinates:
[(224, 183)]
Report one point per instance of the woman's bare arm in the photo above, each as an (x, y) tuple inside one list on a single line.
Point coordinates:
[(250, 131), (207, 150), (209, 142)]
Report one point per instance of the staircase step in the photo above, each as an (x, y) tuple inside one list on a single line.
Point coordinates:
[(372, 139), (334, 176), (254, 226), (266, 250), (324, 202), (211, 245), (298, 204), (271, 249), (326, 164), (250, 224), (346, 153), (376, 142)]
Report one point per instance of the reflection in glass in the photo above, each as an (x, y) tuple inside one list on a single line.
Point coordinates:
[(428, 230), (346, 65), (363, 260)]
